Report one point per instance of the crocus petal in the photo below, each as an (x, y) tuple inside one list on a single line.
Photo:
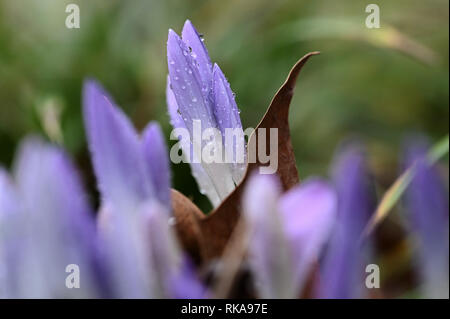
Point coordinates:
[(427, 203), (58, 227), (194, 104), (174, 113), (116, 151), (198, 53), (204, 182), (269, 255), (164, 250), (308, 213), (128, 253), (187, 84), (157, 162), (343, 267), (227, 117)]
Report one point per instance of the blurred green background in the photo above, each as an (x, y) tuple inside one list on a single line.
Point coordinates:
[(378, 84)]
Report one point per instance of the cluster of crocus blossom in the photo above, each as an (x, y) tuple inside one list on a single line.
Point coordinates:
[(47, 223), (130, 250), (197, 90)]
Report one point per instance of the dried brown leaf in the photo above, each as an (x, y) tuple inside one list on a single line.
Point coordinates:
[(187, 216)]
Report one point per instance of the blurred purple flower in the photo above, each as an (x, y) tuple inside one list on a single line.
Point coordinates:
[(287, 232), (46, 225), (127, 167), (343, 265), (198, 90), (134, 181), (427, 203)]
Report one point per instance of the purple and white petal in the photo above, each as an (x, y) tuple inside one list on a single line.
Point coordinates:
[(427, 204), (187, 85), (268, 254), (309, 213), (199, 54), (128, 254), (227, 117), (344, 263), (116, 151), (58, 226), (195, 104), (157, 163), (174, 113), (204, 182)]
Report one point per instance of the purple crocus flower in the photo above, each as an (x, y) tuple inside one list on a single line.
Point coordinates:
[(343, 265), (46, 226), (197, 91), (287, 232), (427, 203), (134, 181)]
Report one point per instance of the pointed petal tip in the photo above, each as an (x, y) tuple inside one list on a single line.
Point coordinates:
[(152, 129), (173, 46), (188, 27), (172, 36), (92, 86), (219, 75), (188, 24), (216, 68), (93, 90)]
